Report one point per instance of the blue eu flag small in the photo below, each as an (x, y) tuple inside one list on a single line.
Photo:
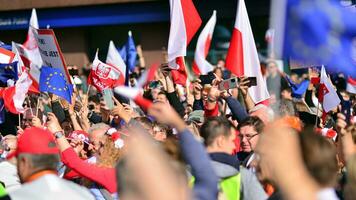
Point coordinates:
[(52, 80), (320, 32)]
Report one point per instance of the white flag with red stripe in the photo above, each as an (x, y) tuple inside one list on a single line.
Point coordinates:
[(330, 99), (135, 94), (185, 22), (32, 51), (201, 65), (21, 68), (242, 58), (351, 85), (103, 76), (14, 96), (114, 58), (147, 75)]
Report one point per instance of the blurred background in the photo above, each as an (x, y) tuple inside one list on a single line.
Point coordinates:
[(82, 26)]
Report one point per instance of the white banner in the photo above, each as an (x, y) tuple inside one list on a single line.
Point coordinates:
[(50, 52)]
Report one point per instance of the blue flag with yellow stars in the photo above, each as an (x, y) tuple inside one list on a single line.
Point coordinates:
[(320, 32), (52, 80)]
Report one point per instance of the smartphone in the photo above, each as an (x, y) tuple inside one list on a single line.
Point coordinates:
[(252, 81), (107, 96), (228, 84)]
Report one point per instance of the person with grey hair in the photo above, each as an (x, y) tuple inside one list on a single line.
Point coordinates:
[(97, 138), (8, 171), (37, 160)]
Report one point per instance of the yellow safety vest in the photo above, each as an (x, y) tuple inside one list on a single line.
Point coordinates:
[(230, 186)]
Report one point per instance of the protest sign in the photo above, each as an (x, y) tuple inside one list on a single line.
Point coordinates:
[(50, 52), (6, 56)]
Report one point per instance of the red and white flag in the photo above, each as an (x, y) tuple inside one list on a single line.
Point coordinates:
[(32, 51), (21, 68), (135, 94), (114, 58), (185, 22), (327, 94), (201, 65), (242, 58), (14, 96), (103, 76), (351, 85), (147, 76), (29, 51)]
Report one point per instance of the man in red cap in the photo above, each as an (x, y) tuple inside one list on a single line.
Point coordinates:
[(37, 160)]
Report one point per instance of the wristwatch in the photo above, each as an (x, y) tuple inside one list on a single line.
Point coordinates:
[(58, 134)]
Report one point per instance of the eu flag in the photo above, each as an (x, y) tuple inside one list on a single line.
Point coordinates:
[(128, 53), (7, 71), (52, 80), (318, 32)]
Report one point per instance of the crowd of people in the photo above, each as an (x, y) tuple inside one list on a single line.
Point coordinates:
[(196, 141)]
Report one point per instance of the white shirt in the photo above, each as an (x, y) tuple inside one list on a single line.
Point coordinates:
[(51, 187)]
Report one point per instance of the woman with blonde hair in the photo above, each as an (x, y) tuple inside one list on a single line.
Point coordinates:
[(102, 173)]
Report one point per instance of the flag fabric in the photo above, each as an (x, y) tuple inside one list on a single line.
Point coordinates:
[(5, 46), (103, 76), (269, 37), (200, 64), (315, 32), (52, 80), (21, 68), (32, 51), (298, 89), (113, 58), (135, 94), (147, 76), (14, 96), (128, 53), (242, 58), (185, 22), (6, 56), (2, 111), (351, 85), (34, 70), (8, 71), (327, 94)]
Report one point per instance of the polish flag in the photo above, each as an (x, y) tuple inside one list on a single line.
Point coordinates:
[(135, 94), (21, 68), (14, 96), (185, 22), (103, 76), (327, 94), (147, 75), (30, 52), (201, 65), (113, 58), (351, 85), (242, 58)]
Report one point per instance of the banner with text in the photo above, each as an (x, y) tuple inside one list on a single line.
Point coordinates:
[(50, 52)]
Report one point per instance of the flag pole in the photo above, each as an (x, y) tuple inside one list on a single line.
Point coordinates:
[(317, 113), (37, 105), (88, 89), (19, 119), (29, 104)]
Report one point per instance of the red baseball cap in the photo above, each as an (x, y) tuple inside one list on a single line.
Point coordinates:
[(35, 141)]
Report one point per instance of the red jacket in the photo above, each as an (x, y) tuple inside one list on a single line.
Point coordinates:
[(103, 176)]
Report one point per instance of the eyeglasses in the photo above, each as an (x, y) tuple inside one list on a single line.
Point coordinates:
[(247, 136)]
